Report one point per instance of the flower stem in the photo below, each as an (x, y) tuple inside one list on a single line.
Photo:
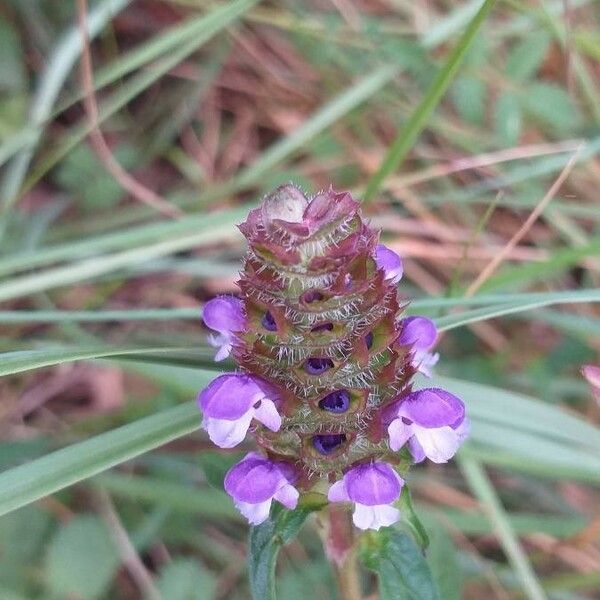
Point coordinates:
[(341, 550), (347, 578)]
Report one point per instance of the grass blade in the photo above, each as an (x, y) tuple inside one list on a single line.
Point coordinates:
[(483, 489), (418, 120), (60, 469)]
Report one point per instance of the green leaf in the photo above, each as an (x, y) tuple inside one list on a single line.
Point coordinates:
[(410, 517), (12, 67), (552, 105), (418, 120), (29, 482), (526, 57), (507, 118), (26, 360), (485, 492), (81, 559), (82, 174), (178, 497), (469, 95), (442, 559), (266, 540), (401, 568), (184, 579)]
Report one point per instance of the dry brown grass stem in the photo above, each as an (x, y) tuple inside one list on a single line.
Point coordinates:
[(493, 265), (130, 184), (482, 160)]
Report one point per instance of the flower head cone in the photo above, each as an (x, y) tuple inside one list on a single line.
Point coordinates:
[(325, 357)]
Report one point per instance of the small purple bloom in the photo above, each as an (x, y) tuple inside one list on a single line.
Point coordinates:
[(373, 487), (389, 262), (336, 402), (420, 333), (230, 402), (326, 443), (433, 422), (255, 481), (225, 315)]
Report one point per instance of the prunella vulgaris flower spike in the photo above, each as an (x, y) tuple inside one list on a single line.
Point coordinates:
[(325, 364)]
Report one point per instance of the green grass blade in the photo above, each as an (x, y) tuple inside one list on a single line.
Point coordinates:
[(59, 66), (211, 25), (26, 360), (483, 489), (326, 116), (62, 468), (491, 312), (407, 136)]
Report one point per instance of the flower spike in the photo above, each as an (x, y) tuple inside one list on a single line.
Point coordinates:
[(325, 362)]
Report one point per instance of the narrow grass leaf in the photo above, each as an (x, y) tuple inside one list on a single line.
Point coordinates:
[(483, 489), (44, 476), (407, 136)]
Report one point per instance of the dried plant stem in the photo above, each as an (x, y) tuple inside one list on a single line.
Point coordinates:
[(491, 267), (129, 183)]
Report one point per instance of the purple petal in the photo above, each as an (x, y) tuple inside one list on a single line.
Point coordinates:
[(267, 414), (255, 513), (375, 517), (399, 433), (255, 479), (389, 262), (288, 496), (423, 361), (224, 314), (440, 444), (418, 332), (373, 483), (463, 429), (432, 407), (227, 434), (338, 493), (416, 450), (230, 396)]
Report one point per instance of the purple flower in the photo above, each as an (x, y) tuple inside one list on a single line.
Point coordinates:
[(389, 262), (433, 423), (230, 402), (373, 487), (420, 333), (255, 481), (225, 315)]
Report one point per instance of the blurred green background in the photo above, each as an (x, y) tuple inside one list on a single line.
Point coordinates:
[(119, 195)]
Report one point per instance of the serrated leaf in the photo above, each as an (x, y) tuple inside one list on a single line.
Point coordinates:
[(507, 118), (266, 540), (184, 579), (403, 572), (81, 559), (526, 57)]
